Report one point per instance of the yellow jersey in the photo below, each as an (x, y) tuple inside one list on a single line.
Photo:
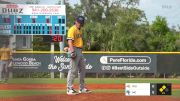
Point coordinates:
[(5, 53), (76, 35)]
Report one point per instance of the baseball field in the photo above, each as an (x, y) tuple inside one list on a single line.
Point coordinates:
[(103, 89)]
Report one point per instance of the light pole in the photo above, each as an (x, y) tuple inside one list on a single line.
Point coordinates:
[(61, 45)]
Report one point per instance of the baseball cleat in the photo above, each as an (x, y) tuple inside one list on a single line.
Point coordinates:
[(84, 90), (71, 92)]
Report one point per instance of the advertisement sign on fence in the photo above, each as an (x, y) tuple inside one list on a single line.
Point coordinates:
[(95, 63)]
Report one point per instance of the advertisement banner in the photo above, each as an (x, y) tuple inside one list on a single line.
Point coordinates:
[(20, 9), (95, 63)]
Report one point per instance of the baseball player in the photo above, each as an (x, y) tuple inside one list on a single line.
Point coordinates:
[(5, 58), (75, 45)]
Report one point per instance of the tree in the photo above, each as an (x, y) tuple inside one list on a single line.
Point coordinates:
[(112, 24), (131, 27), (161, 39), (160, 26)]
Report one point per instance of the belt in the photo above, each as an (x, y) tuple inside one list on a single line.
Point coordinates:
[(78, 47)]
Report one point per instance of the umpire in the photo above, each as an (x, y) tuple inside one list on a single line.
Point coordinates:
[(75, 44)]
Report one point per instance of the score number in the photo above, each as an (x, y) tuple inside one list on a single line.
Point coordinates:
[(53, 38), (57, 38)]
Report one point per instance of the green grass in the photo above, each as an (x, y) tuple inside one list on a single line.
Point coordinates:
[(128, 80), (93, 81), (37, 81), (16, 93), (176, 93)]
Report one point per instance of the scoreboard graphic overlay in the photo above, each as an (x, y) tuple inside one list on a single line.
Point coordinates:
[(18, 19), (147, 89)]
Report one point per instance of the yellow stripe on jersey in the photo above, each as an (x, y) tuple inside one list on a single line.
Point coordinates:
[(76, 35)]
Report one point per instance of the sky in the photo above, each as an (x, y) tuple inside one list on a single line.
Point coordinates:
[(170, 9)]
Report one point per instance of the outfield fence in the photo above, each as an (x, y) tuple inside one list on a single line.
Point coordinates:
[(99, 64)]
